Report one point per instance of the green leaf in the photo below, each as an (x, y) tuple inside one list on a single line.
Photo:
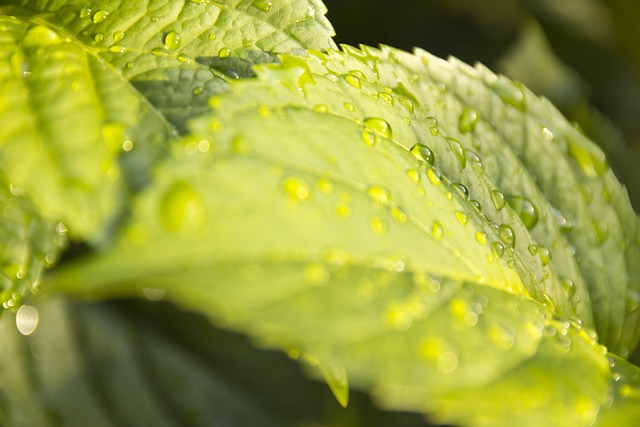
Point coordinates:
[(411, 219)]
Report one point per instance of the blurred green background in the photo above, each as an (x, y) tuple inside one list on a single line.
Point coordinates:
[(584, 55)]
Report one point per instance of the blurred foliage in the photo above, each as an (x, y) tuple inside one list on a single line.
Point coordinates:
[(581, 54)]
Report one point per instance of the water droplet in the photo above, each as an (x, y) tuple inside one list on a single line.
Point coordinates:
[(39, 35), (98, 37), (399, 214), (117, 48), (458, 150), (476, 204), (378, 225), (434, 177), (225, 52), (182, 207), (462, 190), (601, 231), (100, 16), (437, 231), (510, 93), (27, 319), (507, 235), (547, 135), (591, 159), (474, 159), (370, 137), (352, 80), (212, 36), (468, 120), (498, 249), (379, 125), (296, 188), (379, 194), (568, 286), (325, 186), (160, 52), (85, 12), (502, 335), (264, 112), (414, 175), (499, 199), (462, 217), (185, 59), (343, 210), (482, 237), (533, 250), (349, 107), (118, 36), (263, 5), (545, 254), (316, 274), (387, 97), (408, 104), (525, 209), (172, 40), (424, 153)]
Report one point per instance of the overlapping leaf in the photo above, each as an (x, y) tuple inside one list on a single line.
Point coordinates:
[(367, 209)]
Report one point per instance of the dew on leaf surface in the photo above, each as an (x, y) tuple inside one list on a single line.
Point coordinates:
[(525, 209), (568, 286), (433, 176), (507, 235), (499, 199), (370, 137), (462, 190), (545, 254), (424, 153), (482, 237), (353, 80), (547, 135), (100, 16), (437, 231), (414, 175), (398, 214), (224, 52), (498, 249), (349, 107), (172, 40), (468, 120), (462, 217), (379, 125), (387, 97), (263, 5), (458, 150)]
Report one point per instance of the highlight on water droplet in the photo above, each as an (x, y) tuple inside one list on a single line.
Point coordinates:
[(525, 209), (100, 16), (27, 319), (468, 120), (424, 153), (172, 40), (379, 125), (296, 188), (263, 5), (499, 199)]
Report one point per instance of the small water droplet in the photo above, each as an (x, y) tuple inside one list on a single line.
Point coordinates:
[(379, 194), (182, 207), (379, 125), (499, 199), (424, 153), (399, 214), (468, 120), (533, 250), (408, 104), (27, 319), (343, 210), (85, 12), (482, 237), (462, 217), (225, 52), (378, 225), (353, 80), (98, 37), (590, 158), (370, 137), (296, 188), (462, 190), (172, 40), (476, 204), (117, 48), (458, 150), (387, 97), (547, 135), (507, 235), (447, 362), (100, 16), (525, 209), (160, 52), (568, 286), (349, 107), (510, 93), (118, 36), (498, 249), (545, 254), (325, 186), (434, 177), (414, 175), (601, 232), (437, 231), (185, 59), (263, 5)]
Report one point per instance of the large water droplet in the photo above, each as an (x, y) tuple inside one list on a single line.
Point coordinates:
[(379, 125), (100, 16), (458, 150), (468, 120), (225, 52), (263, 5), (182, 208), (172, 40), (525, 209), (296, 188), (424, 153)]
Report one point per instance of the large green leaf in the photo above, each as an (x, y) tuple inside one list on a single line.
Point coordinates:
[(436, 229)]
